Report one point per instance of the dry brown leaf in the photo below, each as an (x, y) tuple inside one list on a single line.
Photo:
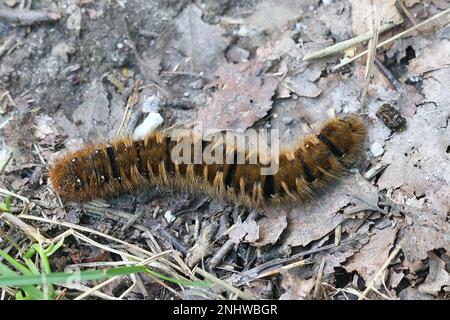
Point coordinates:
[(247, 231), (270, 229), (371, 257), (296, 287), (97, 119), (203, 44), (427, 60), (243, 97), (418, 156), (362, 14), (313, 220), (437, 278), (272, 15), (427, 232)]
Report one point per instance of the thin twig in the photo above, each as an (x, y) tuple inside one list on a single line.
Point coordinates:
[(397, 85), (27, 17), (318, 286), (406, 12), (397, 36), (224, 284), (372, 48), (7, 44), (133, 99), (341, 46)]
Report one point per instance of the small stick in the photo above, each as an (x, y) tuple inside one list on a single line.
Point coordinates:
[(397, 85), (406, 12), (341, 46), (224, 284), (372, 48), (228, 245), (397, 36), (133, 99), (318, 286), (250, 275), (223, 251), (27, 17), (5, 164), (7, 44)]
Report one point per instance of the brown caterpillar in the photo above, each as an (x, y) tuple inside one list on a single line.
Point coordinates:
[(125, 165)]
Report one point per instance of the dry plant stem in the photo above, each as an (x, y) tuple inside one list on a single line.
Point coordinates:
[(397, 36), (27, 17), (126, 216), (318, 286), (341, 46), (391, 257), (26, 202), (221, 253), (226, 285), (372, 48), (30, 231), (133, 99), (406, 12), (287, 267), (228, 245), (254, 273), (5, 164), (397, 85), (143, 254), (7, 44)]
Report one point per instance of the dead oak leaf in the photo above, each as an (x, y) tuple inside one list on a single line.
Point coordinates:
[(202, 43), (272, 15), (371, 257), (426, 60), (437, 278), (243, 96), (247, 231), (313, 220), (295, 287), (418, 156), (362, 14), (428, 231), (270, 229)]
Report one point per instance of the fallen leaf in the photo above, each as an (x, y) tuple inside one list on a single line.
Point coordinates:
[(426, 60), (372, 256), (272, 15), (243, 97), (437, 278), (270, 229), (296, 288), (247, 231), (313, 220), (362, 14), (202, 44)]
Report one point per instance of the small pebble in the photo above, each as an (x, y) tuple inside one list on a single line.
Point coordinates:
[(169, 216), (376, 149)]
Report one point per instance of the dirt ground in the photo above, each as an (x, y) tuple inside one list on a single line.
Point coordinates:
[(381, 233)]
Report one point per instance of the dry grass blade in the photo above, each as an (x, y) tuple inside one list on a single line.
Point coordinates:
[(397, 36), (26, 202), (224, 284), (341, 46), (25, 17), (372, 49)]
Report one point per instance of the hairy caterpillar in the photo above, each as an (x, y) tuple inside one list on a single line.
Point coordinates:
[(125, 165)]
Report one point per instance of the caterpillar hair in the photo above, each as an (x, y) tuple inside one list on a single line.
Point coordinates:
[(124, 165)]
